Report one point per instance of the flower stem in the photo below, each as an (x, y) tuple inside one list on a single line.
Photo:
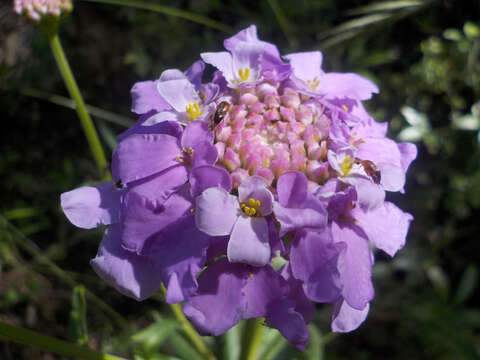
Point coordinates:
[(85, 120), (51, 344), (252, 337), (189, 330)]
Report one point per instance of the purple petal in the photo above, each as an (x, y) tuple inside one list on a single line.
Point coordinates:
[(139, 156), (263, 286), (314, 260), (131, 274), (355, 266), (346, 318), (312, 215), (247, 55), (302, 304), (392, 177), (386, 227), (369, 195), (204, 154), (380, 150), (196, 132), (178, 93), (291, 324), (143, 218), (350, 85), (90, 206), (195, 72), (408, 154), (172, 74), (216, 211), (206, 176), (145, 97), (219, 304), (160, 186), (249, 34), (306, 65), (223, 61), (249, 242), (181, 252), (292, 189), (166, 127)]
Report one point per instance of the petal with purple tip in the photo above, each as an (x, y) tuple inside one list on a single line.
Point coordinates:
[(386, 227), (350, 85), (131, 274), (206, 176), (306, 65), (314, 260), (219, 303), (249, 242), (355, 265), (90, 206), (292, 188), (223, 61), (216, 212), (145, 97), (345, 318), (139, 156), (178, 93)]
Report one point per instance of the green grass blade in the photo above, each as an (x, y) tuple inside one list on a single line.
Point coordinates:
[(69, 103), (187, 15), (386, 6), (78, 316), (355, 24), (51, 344)]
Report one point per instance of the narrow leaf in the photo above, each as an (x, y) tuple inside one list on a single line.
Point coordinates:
[(187, 15), (78, 316), (385, 6), (468, 283)]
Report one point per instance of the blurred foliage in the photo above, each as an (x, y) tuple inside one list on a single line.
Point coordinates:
[(424, 55)]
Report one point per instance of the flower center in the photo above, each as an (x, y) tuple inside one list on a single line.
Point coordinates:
[(193, 110), (251, 208), (346, 166), (313, 84), (270, 130), (186, 158), (244, 74)]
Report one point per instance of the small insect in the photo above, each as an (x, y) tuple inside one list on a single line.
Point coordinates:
[(220, 112), (371, 169)]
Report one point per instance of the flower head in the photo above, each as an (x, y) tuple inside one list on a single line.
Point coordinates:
[(37, 9), (272, 157)]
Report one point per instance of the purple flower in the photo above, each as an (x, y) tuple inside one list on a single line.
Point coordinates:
[(272, 157), (218, 213), (230, 292)]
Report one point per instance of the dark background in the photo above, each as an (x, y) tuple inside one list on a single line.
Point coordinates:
[(425, 61)]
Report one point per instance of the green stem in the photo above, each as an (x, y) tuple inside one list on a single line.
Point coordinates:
[(51, 344), (189, 330), (252, 337), (85, 120)]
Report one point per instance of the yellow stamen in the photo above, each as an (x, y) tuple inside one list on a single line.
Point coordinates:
[(345, 107), (346, 166), (313, 84), (193, 110), (244, 74), (252, 209)]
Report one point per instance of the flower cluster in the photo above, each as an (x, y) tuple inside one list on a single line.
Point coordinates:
[(274, 158), (36, 9)]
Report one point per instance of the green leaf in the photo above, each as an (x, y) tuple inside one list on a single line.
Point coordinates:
[(468, 283), (273, 342), (187, 15), (314, 350), (472, 30), (232, 342), (153, 336), (439, 280), (453, 34), (183, 347), (78, 316)]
